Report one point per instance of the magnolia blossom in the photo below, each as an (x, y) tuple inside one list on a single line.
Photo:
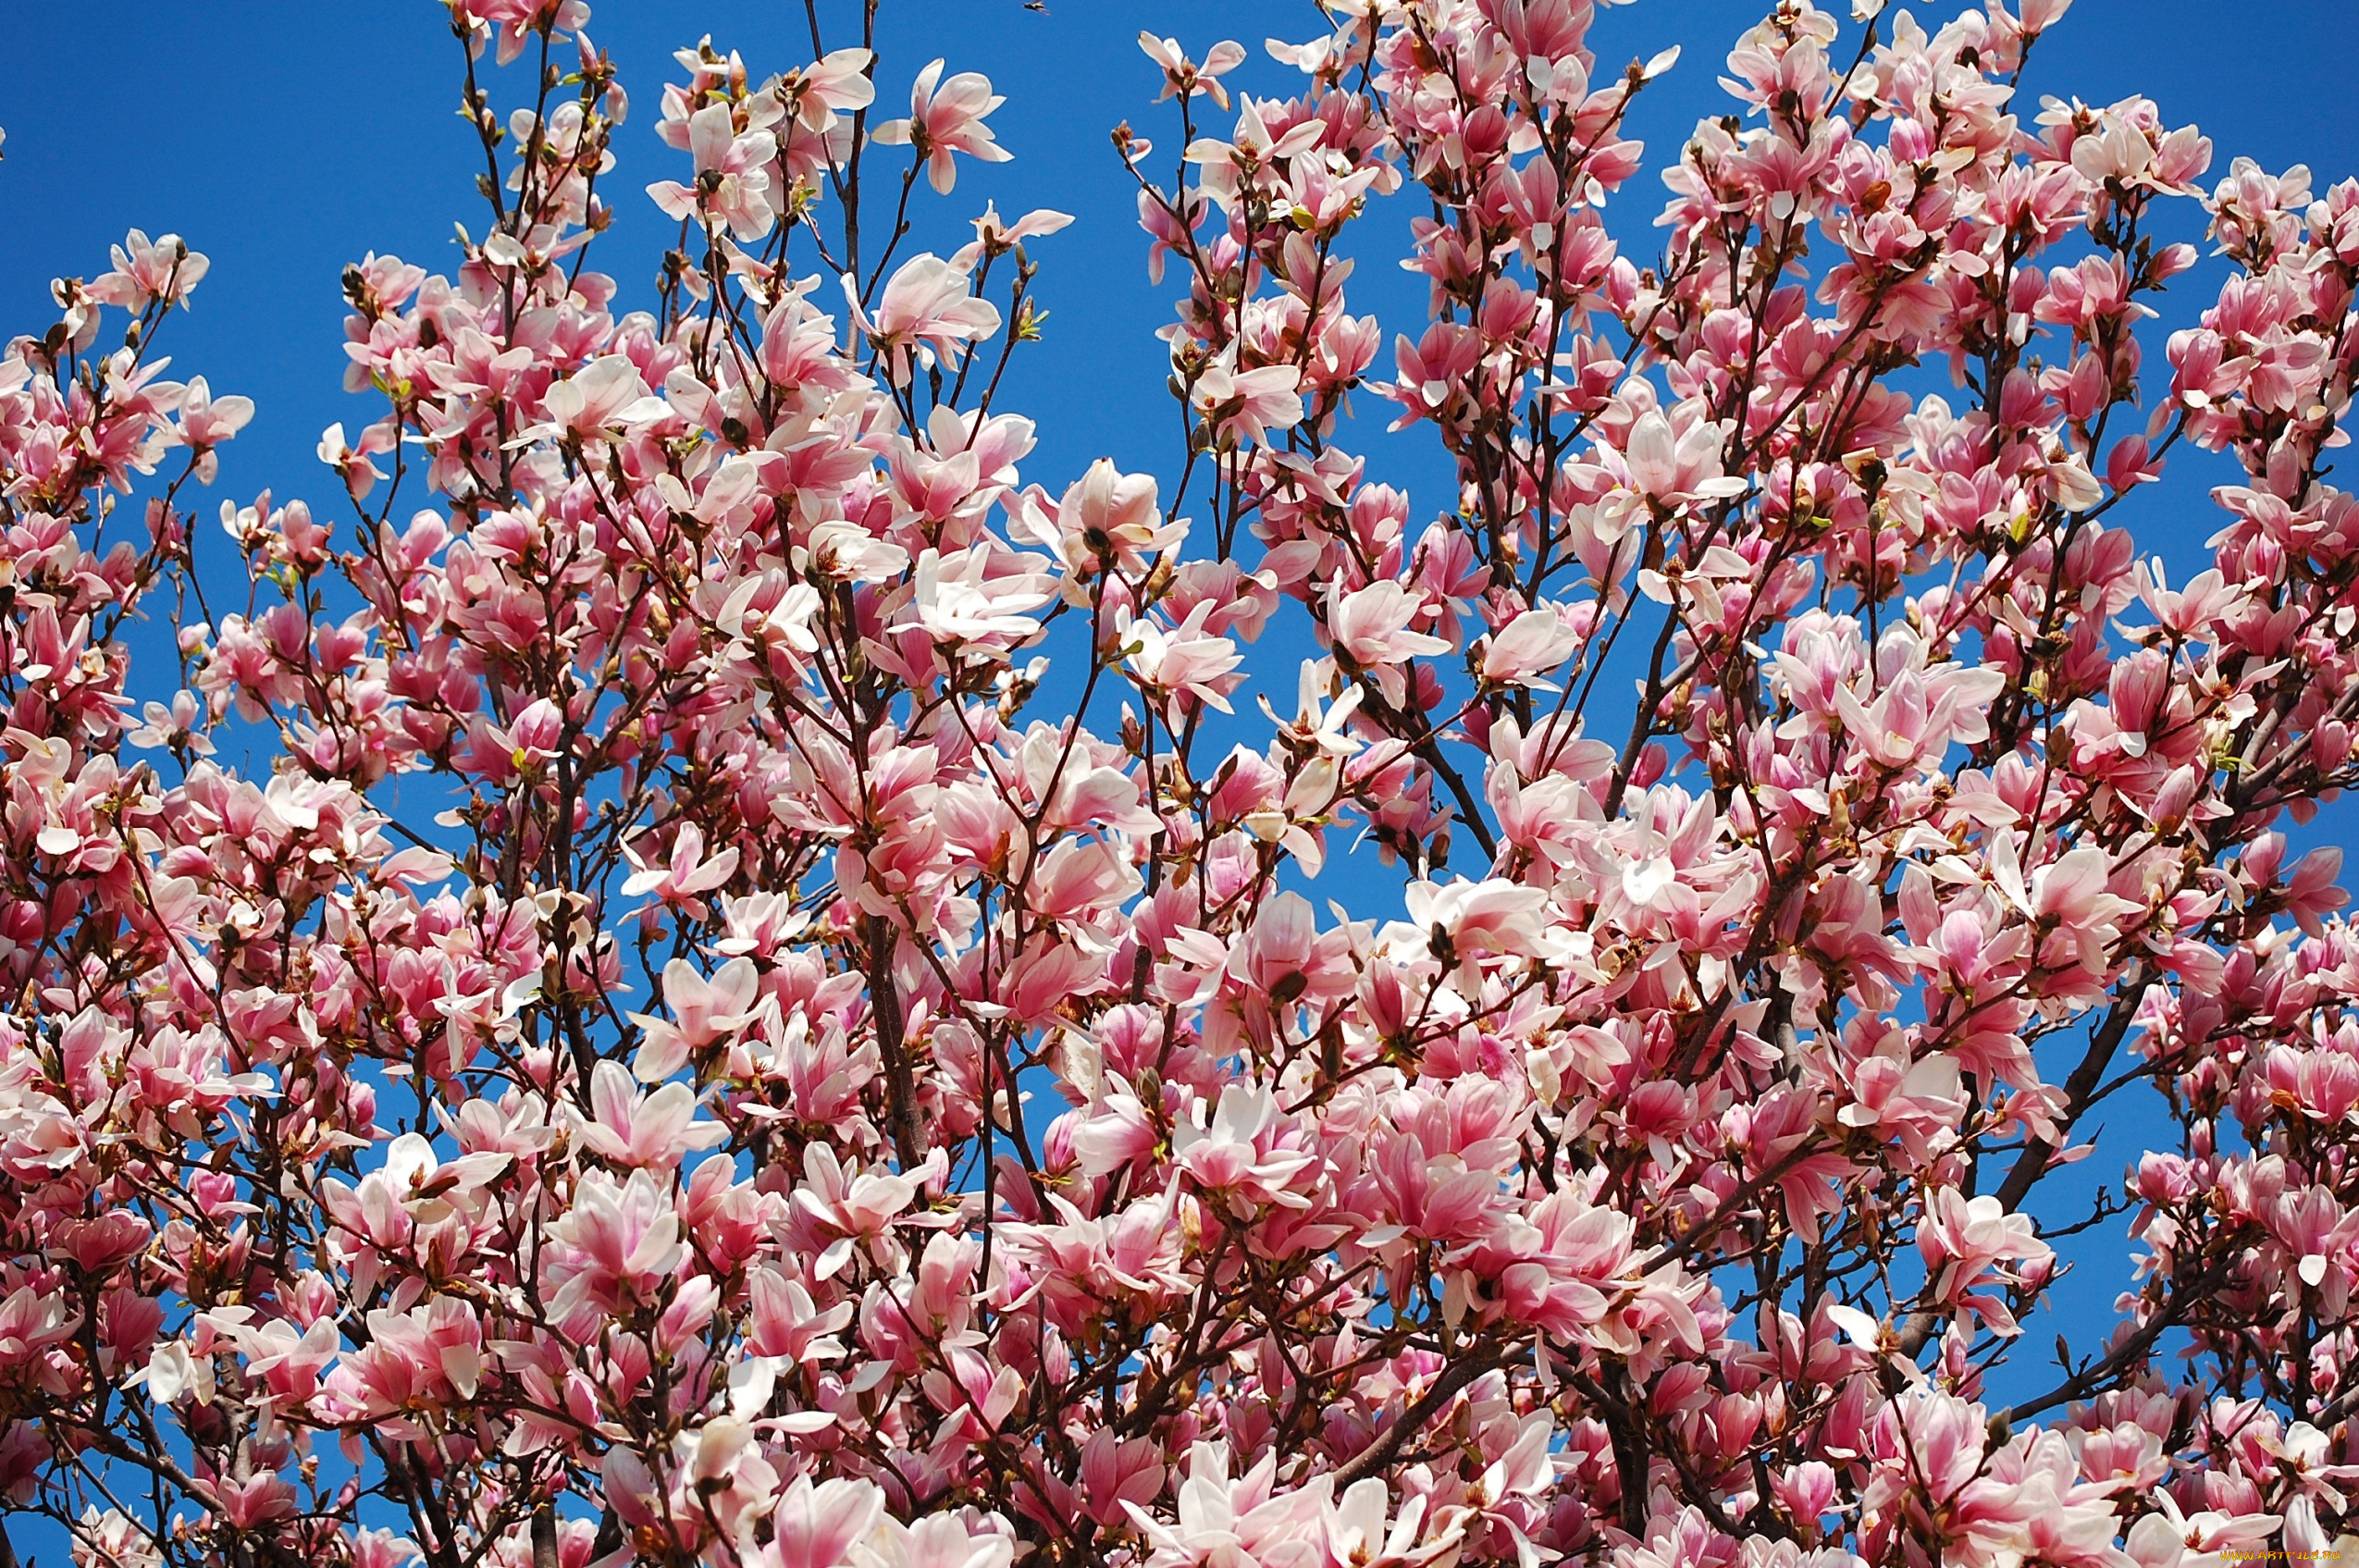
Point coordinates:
[(926, 312), (686, 873), (601, 399), (945, 118), (1184, 78), (1184, 660), (1230, 167), (1371, 627), (1243, 405), (1533, 643), (732, 185), (971, 600), (994, 236), (207, 422), (1106, 517), (834, 85), (159, 271), (1672, 465)]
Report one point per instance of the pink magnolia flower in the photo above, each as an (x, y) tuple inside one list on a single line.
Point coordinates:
[(1232, 1524), (1962, 1237), (1242, 406), (834, 85), (703, 1010), (1674, 463), (618, 1243), (1184, 78), (360, 475), (996, 237), (642, 1129), (926, 313), (971, 600), (1535, 642), (1226, 1154), (940, 1540), (1184, 663), (685, 875), (854, 1209), (207, 422), (816, 1525), (1229, 168), (945, 117), (598, 401), (148, 272), (1371, 628), (731, 186), (1106, 517)]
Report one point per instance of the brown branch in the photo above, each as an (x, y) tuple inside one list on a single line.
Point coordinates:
[(1633, 1457), (1454, 1377), (2091, 1378), (885, 1001), (2032, 1163)]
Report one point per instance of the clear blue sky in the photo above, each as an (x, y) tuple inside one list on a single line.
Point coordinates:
[(285, 140)]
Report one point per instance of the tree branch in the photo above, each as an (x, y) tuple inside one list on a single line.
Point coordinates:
[(884, 1000), (1454, 1377)]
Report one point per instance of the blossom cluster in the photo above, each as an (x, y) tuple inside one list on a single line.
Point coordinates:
[(696, 1045)]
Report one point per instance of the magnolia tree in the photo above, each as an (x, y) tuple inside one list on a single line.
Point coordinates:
[(686, 1041)]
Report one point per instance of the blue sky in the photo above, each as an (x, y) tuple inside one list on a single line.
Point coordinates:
[(285, 140)]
